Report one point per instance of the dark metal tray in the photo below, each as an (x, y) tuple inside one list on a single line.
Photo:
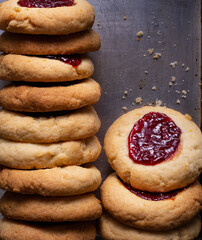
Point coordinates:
[(126, 71)]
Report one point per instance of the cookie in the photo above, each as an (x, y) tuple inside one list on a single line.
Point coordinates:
[(150, 211), (21, 230), (66, 181), (81, 42), (35, 156), (44, 17), (49, 127), (155, 149), (111, 229), (84, 207), (43, 97), (45, 69)]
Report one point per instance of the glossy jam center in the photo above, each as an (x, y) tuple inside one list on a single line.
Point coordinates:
[(45, 3), (73, 60), (153, 139), (152, 196)]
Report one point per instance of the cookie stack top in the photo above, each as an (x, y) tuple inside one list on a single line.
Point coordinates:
[(39, 45)]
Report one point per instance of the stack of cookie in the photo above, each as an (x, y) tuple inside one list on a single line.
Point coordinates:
[(157, 153), (47, 125)]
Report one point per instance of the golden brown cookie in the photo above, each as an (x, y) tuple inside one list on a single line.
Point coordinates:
[(83, 207), (22, 230), (111, 229), (16, 17), (35, 156), (43, 97), (66, 181), (49, 127), (149, 211), (155, 149), (45, 69), (81, 42)]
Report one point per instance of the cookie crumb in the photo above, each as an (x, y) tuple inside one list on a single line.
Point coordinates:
[(140, 34), (170, 84), (187, 69), (124, 18), (156, 56), (183, 64), (178, 101), (158, 102), (184, 96), (173, 79), (145, 55), (159, 33), (125, 92), (123, 97), (173, 64), (184, 92), (174, 45), (130, 89), (154, 88), (138, 100), (150, 51), (125, 108), (177, 91), (146, 72), (148, 37)]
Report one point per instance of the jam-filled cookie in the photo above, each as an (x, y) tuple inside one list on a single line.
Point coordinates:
[(150, 211), (83, 207), (35, 156), (49, 68), (66, 181), (21, 230), (111, 229), (81, 42), (56, 17), (155, 149), (49, 127), (47, 97)]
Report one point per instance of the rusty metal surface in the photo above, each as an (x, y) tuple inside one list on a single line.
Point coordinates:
[(172, 28)]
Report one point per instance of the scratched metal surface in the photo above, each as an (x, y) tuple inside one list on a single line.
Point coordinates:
[(172, 28)]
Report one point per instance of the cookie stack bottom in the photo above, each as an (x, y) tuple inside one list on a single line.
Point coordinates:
[(47, 181), (146, 199)]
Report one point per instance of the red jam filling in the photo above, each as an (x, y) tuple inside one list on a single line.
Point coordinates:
[(153, 139), (152, 196), (45, 3), (73, 60)]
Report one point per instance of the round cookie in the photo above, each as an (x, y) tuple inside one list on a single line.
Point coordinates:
[(22, 230), (66, 181), (83, 207), (35, 156), (46, 20), (44, 69), (81, 42), (111, 229), (152, 213), (43, 97), (176, 171), (49, 128)]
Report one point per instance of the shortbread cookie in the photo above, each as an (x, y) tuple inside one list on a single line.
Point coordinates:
[(49, 127), (82, 42), (45, 97), (83, 207), (111, 229), (66, 181), (150, 211), (46, 17), (45, 69), (22, 230), (155, 149), (35, 156)]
